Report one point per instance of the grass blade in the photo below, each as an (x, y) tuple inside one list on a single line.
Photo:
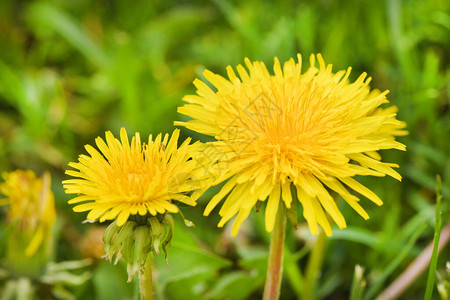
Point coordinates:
[(437, 233), (358, 284), (394, 264), (68, 28)]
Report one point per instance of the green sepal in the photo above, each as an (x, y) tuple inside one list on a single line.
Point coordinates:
[(108, 237), (125, 231), (168, 221), (157, 233), (127, 248), (141, 249), (186, 222), (291, 213), (258, 206)]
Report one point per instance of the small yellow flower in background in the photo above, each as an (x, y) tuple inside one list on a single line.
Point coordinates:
[(313, 131), (27, 267), (31, 210), (133, 179)]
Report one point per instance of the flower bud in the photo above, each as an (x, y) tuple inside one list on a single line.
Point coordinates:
[(114, 238), (137, 238)]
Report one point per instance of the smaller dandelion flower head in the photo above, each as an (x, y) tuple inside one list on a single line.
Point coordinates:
[(123, 178), (312, 132), (31, 205)]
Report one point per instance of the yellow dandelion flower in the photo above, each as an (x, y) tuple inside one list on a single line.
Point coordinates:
[(313, 131), (126, 179), (32, 206)]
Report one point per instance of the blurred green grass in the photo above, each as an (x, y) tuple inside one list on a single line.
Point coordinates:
[(69, 70)]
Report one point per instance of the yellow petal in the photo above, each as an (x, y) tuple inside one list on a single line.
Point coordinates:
[(358, 187), (123, 217), (272, 208), (286, 194), (219, 196)]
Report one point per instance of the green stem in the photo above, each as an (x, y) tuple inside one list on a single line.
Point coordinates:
[(145, 279), (275, 265), (314, 266)]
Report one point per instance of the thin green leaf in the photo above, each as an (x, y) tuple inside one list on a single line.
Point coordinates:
[(357, 235), (394, 264), (69, 29), (236, 285), (358, 283), (437, 234)]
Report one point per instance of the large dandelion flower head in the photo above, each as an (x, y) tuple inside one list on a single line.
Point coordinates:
[(305, 133), (128, 178)]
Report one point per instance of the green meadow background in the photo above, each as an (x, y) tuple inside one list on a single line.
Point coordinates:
[(70, 70)]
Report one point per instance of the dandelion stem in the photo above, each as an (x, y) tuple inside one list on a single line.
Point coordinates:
[(314, 266), (145, 279), (275, 265)]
